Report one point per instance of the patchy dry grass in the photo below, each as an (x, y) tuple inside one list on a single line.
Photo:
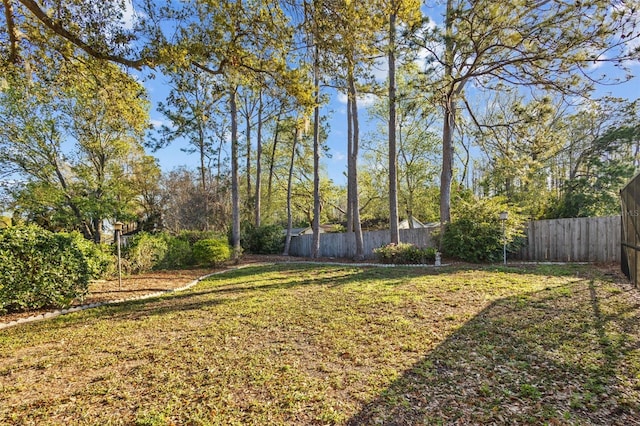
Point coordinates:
[(133, 286), (322, 344)]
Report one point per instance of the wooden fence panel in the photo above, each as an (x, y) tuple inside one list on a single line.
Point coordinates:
[(592, 239), (343, 245), (556, 240)]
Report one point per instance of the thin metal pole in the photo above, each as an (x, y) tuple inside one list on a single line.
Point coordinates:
[(504, 243), (119, 262)]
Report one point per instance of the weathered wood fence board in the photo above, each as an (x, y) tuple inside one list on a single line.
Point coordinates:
[(630, 203), (343, 245), (592, 239)]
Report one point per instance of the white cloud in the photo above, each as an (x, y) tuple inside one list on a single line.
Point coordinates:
[(381, 70), (368, 99), (338, 156), (598, 62), (129, 15), (364, 99)]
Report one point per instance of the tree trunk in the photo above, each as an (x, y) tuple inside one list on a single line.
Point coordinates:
[(235, 182), (317, 207), (449, 125), (446, 176), (258, 194), (201, 151), (350, 166), (248, 165), (272, 162), (97, 230), (87, 231), (354, 163), (203, 176), (287, 241), (219, 164), (393, 160)]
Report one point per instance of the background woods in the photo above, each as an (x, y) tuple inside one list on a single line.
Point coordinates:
[(428, 106)]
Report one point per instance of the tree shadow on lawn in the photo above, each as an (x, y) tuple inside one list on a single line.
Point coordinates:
[(568, 354), (564, 355), (243, 284), (234, 284)]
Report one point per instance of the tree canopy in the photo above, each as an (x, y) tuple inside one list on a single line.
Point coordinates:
[(74, 139)]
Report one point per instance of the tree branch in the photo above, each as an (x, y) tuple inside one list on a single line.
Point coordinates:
[(11, 29), (57, 28)]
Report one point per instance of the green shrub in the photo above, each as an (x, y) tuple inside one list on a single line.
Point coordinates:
[(193, 237), (266, 239), (475, 233), (144, 252), (404, 253), (40, 269), (179, 253), (211, 252), (100, 258)]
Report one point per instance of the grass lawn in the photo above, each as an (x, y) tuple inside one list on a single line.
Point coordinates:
[(323, 344)]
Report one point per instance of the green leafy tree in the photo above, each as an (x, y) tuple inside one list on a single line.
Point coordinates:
[(521, 140), (74, 138), (416, 149), (245, 43), (317, 31), (194, 111), (356, 25), (601, 154), (556, 161), (604, 165)]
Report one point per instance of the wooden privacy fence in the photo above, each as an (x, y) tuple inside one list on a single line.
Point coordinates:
[(630, 203), (586, 239), (343, 245), (590, 239)]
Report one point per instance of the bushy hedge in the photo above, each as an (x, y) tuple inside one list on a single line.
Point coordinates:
[(144, 252), (211, 252), (475, 233), (40, 269), (100, 257), (405, 253), (265, 239), (179, 253)]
